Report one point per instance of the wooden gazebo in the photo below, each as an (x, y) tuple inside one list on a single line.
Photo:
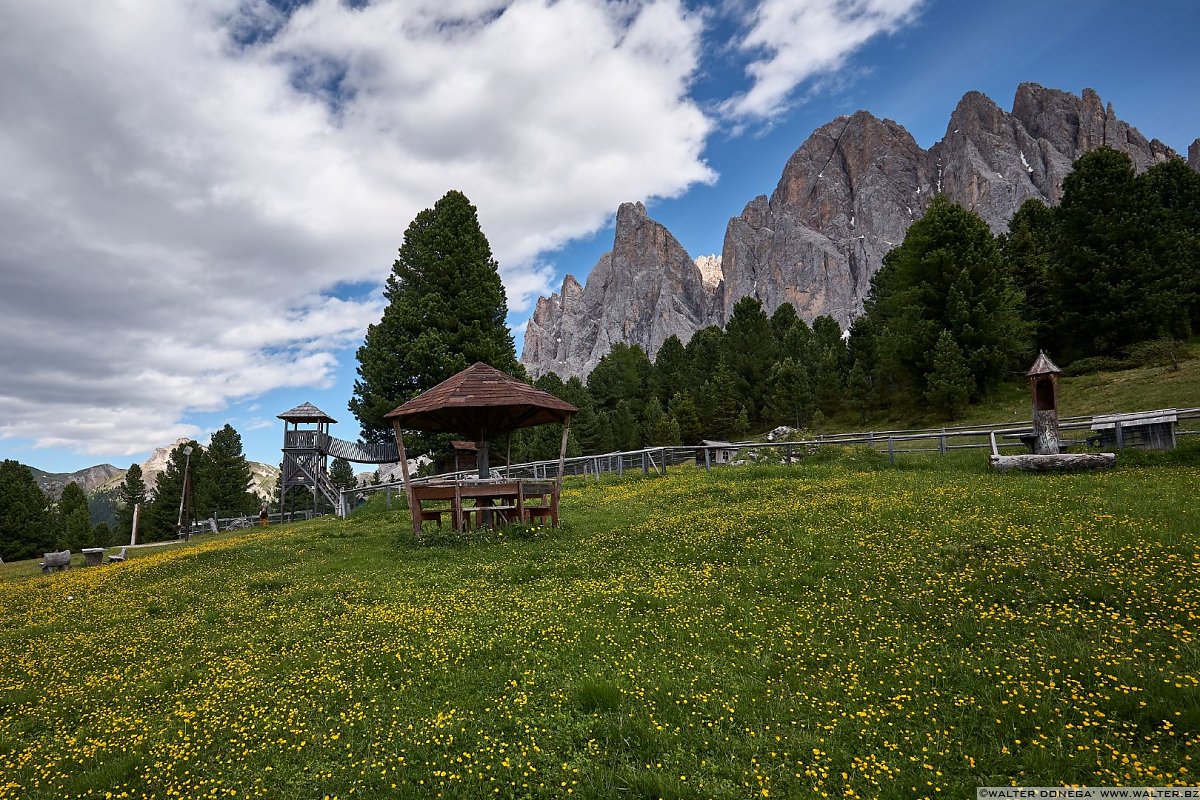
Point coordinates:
[(481, 402)]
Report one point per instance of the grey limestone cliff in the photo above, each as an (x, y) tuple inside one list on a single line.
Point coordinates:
[(643, 291)]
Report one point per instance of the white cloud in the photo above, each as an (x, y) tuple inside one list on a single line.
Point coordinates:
[(801, 39), (187, 185)]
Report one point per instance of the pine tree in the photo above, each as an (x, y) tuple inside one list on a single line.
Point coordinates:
[(342, 474), (703, 351), (446, 310), (627, 431), (102, 535), (227, 478), (948, 275), (670, 368), (1027, 250), (132, 492), (949, 382), (623, 374), (783, 320), (76, 522), (749, 350), (722, 411), (860, 392), (25, 521), (595, 431), (789, 396), (661, 430), (829, 384), (687, 418)]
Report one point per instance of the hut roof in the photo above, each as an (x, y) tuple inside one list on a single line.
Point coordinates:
[(306, 412), (481, 401), (1043, 366), (461, 444)]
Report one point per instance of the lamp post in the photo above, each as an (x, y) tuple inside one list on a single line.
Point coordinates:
[(183, 495)]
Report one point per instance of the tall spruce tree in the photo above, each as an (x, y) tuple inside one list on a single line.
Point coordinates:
[(948, 275), (446, 310), (789, 399), (683, 412), (342, 474), (25, 521), (132, 492), (948, 385), (1027, 249), (750, 351), (670, 368), (228, 478), (73, 513), (1102, 265)]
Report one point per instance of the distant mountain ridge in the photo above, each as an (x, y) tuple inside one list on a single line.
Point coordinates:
[(845, 198), (89, 479), (105, 478)]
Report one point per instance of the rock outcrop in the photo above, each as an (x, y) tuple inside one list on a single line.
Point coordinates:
[(643, 291), (846, 197)]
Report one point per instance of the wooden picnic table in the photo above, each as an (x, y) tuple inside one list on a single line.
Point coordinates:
[(487, 502)]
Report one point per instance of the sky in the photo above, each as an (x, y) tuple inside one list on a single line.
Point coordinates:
[(200, 201)]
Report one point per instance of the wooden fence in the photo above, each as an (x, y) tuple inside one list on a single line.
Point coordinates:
[(1074, 431)]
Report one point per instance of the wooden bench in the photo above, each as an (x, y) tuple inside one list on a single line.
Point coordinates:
[(546, 508), (1148, 430), (58, 560)]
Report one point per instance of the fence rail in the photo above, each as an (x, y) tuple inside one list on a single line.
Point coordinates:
[(893, 442)]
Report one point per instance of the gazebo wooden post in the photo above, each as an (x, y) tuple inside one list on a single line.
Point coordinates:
[(413, 509), (562, 457)]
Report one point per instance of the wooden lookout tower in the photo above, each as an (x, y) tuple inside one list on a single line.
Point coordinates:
[(1043, 385), (306, 454)]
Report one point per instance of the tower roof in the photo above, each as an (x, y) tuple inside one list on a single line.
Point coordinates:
[(306, 412), (1043, 366)]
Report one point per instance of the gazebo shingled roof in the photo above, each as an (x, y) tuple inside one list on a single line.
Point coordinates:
[(481, 401), (306, 412)]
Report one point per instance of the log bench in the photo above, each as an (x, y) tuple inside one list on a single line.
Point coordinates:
[(58, 560)]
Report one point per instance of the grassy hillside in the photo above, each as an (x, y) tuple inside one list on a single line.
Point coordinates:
[(1139, 389), (830, 628)]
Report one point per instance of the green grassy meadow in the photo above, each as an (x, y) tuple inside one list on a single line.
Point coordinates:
[(1139, 389), (834, 628)]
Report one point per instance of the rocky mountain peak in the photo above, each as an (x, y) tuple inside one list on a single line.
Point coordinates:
[(646, 289)]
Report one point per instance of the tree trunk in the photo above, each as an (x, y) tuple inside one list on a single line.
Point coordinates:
[(1065, 462)]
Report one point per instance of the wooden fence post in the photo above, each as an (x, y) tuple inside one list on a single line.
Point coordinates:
[(942, 443), (891, 452), (645, 466), (1120, 435), (707, 459)]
